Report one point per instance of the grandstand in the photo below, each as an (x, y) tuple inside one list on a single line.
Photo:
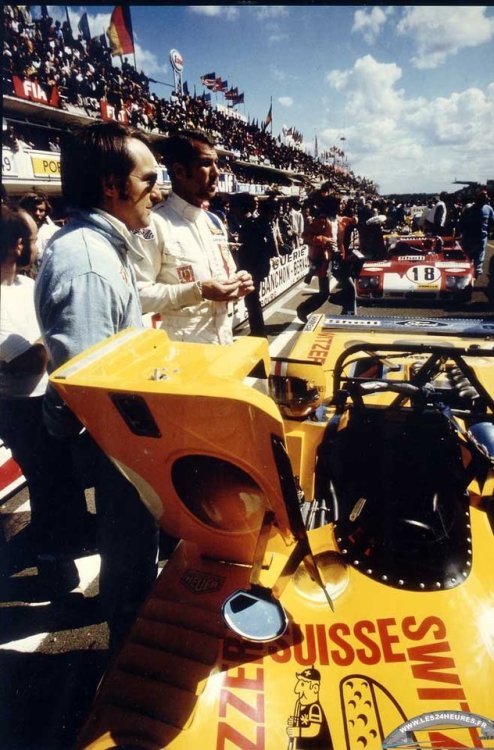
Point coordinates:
[(51, 80)]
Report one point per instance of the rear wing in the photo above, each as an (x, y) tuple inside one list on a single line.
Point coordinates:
[(462, 327)]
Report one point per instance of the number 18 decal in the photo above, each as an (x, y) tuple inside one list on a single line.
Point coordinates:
[(423, 274)]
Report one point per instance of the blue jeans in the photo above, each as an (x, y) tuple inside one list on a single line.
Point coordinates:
[(475, 249)]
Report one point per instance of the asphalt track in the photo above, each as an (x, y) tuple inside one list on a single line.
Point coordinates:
[(53, 652)]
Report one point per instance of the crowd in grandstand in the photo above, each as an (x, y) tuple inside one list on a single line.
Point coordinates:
[(81, 72)]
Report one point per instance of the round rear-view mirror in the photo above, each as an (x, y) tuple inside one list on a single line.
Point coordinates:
[(255, 614)]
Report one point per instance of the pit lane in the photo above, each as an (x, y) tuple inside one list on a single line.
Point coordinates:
[(53, 653)]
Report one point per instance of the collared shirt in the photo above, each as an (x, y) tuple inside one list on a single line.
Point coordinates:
[(85, 291), (188, 245)]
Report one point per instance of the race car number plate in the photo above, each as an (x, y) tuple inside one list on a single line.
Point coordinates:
[(429, 276)]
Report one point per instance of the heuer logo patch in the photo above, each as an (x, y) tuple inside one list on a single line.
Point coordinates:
[(201, 583)]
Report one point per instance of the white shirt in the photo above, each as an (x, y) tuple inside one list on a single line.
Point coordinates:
[(186, 245), (19, 330), (297, 223), (45, 233)]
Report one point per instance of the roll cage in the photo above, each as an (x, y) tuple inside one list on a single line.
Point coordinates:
[(428, 361)]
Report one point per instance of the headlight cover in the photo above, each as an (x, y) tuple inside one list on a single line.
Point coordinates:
[(457, 282), (369, 282)]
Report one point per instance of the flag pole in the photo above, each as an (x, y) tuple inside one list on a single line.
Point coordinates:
[(271, 108), (68, 21), (133, 42)]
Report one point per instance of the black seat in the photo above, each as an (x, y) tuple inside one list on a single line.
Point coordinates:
[(400, 499)]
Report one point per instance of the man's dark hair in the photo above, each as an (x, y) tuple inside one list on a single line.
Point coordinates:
[(329, 206), (180, 148), (30, 200), (269, 206), (243, 202), (12, 226), (481, 195), (92, 153)]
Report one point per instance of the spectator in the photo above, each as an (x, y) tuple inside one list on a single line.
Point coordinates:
[(23, 145), (321, 235), (435, 220), (59, 517), (370, 230), (476, 221), (346, 262), (9, 138), (185, 271), (39, 208), (83, 75), (257, 247), (286, 229), (400, 214), (453, 217), (219, 206), (54, 144), (296, 221), (86, 291), (307, 213)]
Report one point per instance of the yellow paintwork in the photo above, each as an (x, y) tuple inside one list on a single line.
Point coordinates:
[(184, 680), (208, 411)]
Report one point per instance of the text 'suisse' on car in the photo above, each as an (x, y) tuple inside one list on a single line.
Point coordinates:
[(417, 267), (333, 582)]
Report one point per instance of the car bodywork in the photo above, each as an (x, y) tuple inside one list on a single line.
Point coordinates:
[(11, 476), (418, 267), (334, 575)]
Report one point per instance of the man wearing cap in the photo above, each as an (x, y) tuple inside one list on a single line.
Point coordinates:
[(308, 727)]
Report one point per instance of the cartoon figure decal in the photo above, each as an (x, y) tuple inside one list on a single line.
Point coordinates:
[(308, 727)]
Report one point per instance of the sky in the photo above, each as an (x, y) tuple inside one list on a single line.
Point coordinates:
[(406, 91)]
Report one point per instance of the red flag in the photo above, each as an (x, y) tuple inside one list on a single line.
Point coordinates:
[(120, 31), (54, 97)]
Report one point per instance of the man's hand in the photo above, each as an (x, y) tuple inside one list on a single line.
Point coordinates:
[(229, 290), (220, 291), (246, 283)]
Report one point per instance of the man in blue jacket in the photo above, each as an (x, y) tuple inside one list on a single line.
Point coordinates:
[(476, 221), (86, 291)]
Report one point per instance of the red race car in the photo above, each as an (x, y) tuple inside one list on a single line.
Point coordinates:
[(418, 267)]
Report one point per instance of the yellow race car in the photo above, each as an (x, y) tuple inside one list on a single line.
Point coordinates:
[(333, 587)]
